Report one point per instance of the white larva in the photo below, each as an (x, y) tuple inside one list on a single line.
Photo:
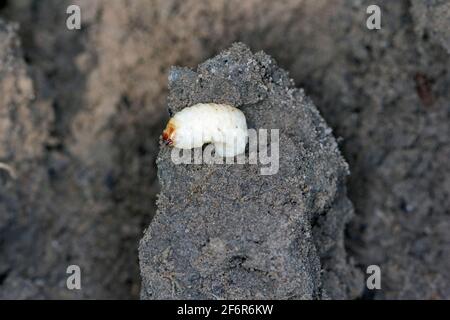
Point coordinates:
[(220, 124)]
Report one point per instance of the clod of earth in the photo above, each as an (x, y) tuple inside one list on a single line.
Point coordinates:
[(225, 231)]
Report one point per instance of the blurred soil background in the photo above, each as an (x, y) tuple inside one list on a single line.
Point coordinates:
[(81, 113)]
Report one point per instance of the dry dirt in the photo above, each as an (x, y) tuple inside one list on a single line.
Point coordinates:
[(81, 113)]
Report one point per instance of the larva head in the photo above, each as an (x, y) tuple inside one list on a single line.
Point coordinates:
[(184, 132), (169, 132)]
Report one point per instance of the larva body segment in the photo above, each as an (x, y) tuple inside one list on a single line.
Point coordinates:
[(223, 125)]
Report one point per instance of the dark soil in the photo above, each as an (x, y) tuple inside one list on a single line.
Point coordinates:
[(81, 113)]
